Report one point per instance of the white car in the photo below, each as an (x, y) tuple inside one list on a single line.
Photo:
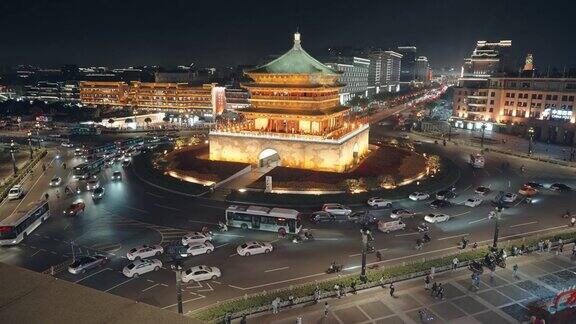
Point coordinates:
[(251, 248), (196, 238), (92, 184), (379, 202), (197, 249), (144, 251), (436, 218), (15, 192), (401, 213), (201, 273), (509, 197), (337, 209), (473, 202), (140, 267), (417, 196), (67, 144), (55, 182)]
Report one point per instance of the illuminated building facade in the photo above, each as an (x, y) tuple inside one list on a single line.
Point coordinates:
[(545, 103), (385, 69), (207, 100), (295, 119), (354, 76), (488, 59)]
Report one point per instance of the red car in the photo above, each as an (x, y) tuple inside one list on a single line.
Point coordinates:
[(75, 209)]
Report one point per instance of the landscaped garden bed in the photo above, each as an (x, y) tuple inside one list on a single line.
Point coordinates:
[(193, 164), (385, 167)]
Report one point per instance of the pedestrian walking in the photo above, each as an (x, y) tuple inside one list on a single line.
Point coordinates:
[(291, 300), (337, 289), (574, 250), (440, 292), (43, 167), (243, 319), (326, 309), (515, 271), (382, 281), (228, 318), (434, 289), (541, 246), (455, 263), (475, 245), (427, 281), (353, 287), (392, 289), (560, 246), (572, 221), (275, 303), (548, 246), (316, 295), (46, 196)]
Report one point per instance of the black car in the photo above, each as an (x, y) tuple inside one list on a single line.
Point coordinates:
[(560, 187), (438, 203), (86, 263), (362, 217), (445, 194), (322, 217), (117, 176), (534, 185)]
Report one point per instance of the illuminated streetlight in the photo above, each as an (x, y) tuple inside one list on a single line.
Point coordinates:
[(12, 150), (30, 143), (531, 139)]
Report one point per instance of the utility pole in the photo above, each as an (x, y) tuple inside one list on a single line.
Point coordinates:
[(531, 139), (498, 213), (12, 150), (483, 131)]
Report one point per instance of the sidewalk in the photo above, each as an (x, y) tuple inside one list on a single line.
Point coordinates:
[(501, 300)]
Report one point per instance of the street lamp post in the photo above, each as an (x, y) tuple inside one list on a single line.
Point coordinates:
[(30, 143), (366, 238), (531, 139), (178, 271), (12, 150)]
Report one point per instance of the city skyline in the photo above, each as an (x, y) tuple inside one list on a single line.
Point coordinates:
[(227, 34)]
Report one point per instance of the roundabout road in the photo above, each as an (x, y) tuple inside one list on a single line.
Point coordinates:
[(134, 213)]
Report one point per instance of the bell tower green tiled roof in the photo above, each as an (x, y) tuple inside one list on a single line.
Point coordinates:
[(295, 61)]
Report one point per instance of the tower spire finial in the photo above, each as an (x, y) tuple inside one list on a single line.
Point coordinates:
[(297, 39)]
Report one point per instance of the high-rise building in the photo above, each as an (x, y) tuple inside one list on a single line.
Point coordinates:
[(384, 74), (408, 70), (354, 76), (423, 72), (488, 59)]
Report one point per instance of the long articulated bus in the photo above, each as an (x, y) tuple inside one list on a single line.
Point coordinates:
[(86, 170), (127, 144), (261, 218), (21, 223), (101, 151)]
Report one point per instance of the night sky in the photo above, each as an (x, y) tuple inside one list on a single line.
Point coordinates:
[(166, 32)]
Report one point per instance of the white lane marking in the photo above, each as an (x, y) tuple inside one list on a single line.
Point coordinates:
[(277, 269), (155, 195), (166, 207), (454, 236), (231, 235), (152, 281), (509, 184), (327, 239), (478, 220), (33, 254), (399, 235), (461, 214), (143, 290), (184, 302), (138, 209), (95, 273), (200, 222), (165, 285), (120, 284), (466, 189), (231, 255), (26, 192), (523, 224), (221, 245)]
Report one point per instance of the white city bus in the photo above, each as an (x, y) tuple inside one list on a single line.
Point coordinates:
[(261, 218), (16, 227)]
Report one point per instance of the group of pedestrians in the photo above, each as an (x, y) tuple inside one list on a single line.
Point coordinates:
[(436, 289)]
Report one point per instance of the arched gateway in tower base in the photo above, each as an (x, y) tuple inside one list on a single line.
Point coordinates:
[(295, 111)]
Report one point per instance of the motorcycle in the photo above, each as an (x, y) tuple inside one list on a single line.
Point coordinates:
[(307, 236), (423, 227), (426, 238), (476, 267), (334, 268), (489, 262)]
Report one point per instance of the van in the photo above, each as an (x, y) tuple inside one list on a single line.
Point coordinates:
[(390, 226)]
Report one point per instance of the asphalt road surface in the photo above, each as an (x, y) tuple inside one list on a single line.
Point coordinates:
[(133, 213)]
